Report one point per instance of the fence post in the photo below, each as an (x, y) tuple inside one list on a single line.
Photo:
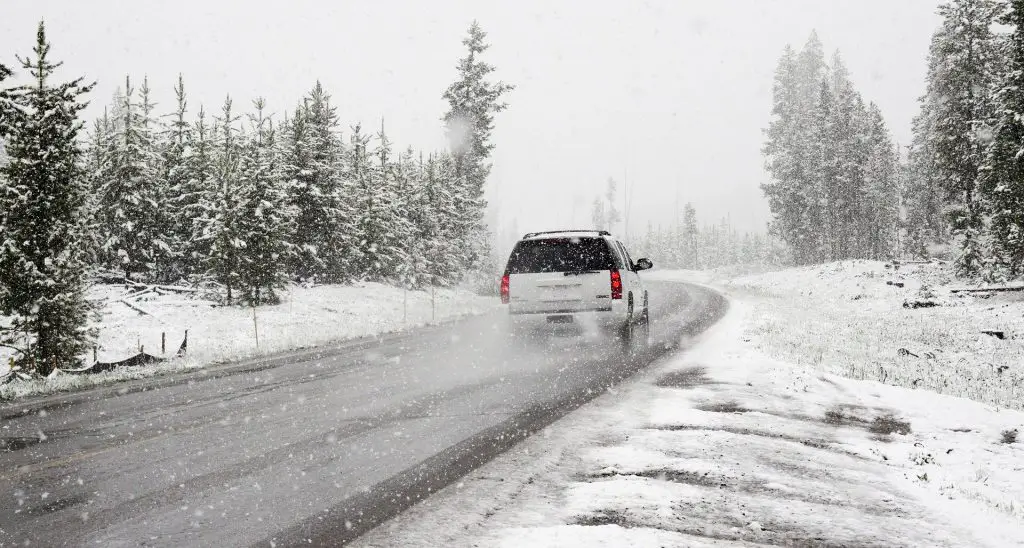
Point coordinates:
[(163, 342), (255, 327)]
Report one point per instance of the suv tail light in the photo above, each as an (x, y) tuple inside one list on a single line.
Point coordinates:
[(504, 289), (616, 285)]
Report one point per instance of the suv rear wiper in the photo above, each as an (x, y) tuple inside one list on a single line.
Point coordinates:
[(578, 272)]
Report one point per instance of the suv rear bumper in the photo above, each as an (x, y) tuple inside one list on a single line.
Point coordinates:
[(612, 316)]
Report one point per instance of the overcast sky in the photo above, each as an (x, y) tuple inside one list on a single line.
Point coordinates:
[(670, 94)]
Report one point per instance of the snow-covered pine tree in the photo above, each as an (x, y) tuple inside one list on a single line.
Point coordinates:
[(692, 257), (845, 154), (784, 190), (263, 220), (962, 61), (95, 166), (163, 248), (131, 196), (453, 266), (473, 101), (43, 259), (198, 189), (416, 243), (297, 172), (221, 208), (1003, 177), (880, 212), (181, 197), (380, 220), (922, 193), (443, 254), (313, 162), (792, 151), (822, 165)]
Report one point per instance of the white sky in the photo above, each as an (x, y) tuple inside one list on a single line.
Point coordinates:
[(672, 93)]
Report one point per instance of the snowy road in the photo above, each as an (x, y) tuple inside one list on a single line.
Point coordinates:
[(316, 446), (723, 446)]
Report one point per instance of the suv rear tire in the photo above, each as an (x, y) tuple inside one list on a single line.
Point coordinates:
[(635, 334)]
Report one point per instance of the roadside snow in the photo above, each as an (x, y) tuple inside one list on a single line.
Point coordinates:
[(307, 317), (724, 446), (849, 318)]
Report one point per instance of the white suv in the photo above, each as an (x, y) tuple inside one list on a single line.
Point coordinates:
[(585, 278)]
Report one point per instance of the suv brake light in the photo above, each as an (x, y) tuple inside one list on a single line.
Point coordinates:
[(616, 284), (504, 289)]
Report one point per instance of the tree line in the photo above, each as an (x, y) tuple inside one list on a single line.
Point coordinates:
[(964, 170), (248, 201), (840, 190), (687, 244), (833, 189)]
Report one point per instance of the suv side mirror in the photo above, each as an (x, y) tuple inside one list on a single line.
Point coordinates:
[(643, 264)]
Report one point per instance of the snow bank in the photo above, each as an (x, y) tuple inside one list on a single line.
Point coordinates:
[(307, 317)]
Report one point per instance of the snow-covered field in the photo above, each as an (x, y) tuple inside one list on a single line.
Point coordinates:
[(724, 445), (847, 318), (307, 317)]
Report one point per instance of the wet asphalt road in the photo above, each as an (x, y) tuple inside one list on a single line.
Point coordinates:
[(311, 447)]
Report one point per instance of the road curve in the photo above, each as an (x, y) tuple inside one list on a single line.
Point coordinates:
[(312, 447)]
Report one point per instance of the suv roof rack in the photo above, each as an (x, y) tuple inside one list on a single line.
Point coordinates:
[(599, 232)]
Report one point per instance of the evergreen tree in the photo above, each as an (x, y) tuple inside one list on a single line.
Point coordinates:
[(791, 151), (96, 164), (371, 204), (832, 191), (182, 197), (415, 203), (131, 193), (1003, 180), (197, 192), (43, 270), (388, 231), (263, 220), (880, 208), (473, 101), (691, 256), (314, 168), (303, 197), (962, 59), (221, 209), (163, 247), (923, 196)]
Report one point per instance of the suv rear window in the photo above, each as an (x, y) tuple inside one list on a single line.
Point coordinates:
[(560, 255)]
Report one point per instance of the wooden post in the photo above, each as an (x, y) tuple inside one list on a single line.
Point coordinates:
[(163, 342), (94, 360), (255, 327)]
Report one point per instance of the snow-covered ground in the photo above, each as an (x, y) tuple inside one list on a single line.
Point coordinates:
[(307, 317), (849, 318), (724, 445)]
